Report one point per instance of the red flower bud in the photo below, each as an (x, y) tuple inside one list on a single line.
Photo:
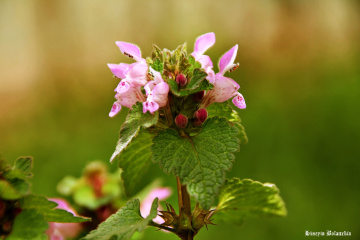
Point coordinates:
[(198, 97), (200, 116), (181, 80), (181, 121)]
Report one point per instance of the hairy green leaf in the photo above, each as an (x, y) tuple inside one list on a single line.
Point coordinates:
[(240, 199), (225, 110), (123, 224), (135, 161), (29, 224), (132, 125), (200, 161), (47, 208)]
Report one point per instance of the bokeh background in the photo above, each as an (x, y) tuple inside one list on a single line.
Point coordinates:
[(299, 73)]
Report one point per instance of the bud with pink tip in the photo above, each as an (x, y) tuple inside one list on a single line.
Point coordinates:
[(181, 80), (201, 115), (181, 121)]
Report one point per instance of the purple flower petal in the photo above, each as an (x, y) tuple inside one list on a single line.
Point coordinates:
[(205, 61), (224, 88), (204, 42), (150, 106), (115, 109), (119, 70), (137, 74), (239, 101), (130, 50), (160, 94), (123, 86), (227, 60)]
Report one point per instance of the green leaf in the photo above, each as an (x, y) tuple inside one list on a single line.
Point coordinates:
[(200, 161), (47, 208), (240, 199), (24, 164), (135, 162), (225, 110), (8, 192), (20, 185), (134, 121), (29, 224), (21, 169), (123, 224)]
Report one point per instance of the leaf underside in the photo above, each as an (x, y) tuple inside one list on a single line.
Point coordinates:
[(132, 125), (240, 199), (47, 209), (200, 161), (135, 161)]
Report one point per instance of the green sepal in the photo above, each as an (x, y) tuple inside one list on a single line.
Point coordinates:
[(193, 65), (157, 53), (29, 224), (157, 65), (135, 162), (132, 125), (225, 110), (47, 209), (241, 199), (124, 223), (196, 84), (201, 160)]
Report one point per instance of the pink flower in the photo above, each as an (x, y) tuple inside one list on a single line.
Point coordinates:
[(202, 44), (127, 99), (161, 193), (224, 87), (61, 231), (134, 76), (156, 92)]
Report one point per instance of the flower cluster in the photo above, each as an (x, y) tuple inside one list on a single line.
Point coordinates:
[(135, 77), (166, 78)]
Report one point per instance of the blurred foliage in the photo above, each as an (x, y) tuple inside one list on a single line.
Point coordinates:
[(299, 73)]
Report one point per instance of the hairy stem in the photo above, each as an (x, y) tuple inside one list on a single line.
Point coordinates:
[(185, 204)]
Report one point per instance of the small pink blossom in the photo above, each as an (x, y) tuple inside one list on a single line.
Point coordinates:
[(61, 231), (224, 87), (161, 193), (127, 99), (134, 76), (157, 93), (202, 44)]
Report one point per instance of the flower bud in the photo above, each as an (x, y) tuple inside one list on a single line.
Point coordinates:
[(200, 116), (198, 97), (181, 80), (181, 121)]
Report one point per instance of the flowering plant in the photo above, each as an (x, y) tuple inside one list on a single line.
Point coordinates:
[(181, 117)]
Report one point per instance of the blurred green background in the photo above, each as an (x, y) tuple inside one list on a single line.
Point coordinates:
[(299, 73)]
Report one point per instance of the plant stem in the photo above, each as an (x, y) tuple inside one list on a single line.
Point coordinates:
[(185, 204), (154, 224)]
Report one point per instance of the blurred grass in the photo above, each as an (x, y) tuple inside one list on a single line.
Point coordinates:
[(299, 73)]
